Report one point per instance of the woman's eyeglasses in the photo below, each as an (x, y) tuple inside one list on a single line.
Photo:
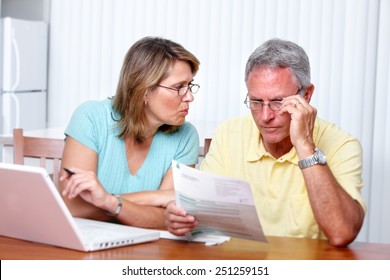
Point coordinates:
[(183, 90)]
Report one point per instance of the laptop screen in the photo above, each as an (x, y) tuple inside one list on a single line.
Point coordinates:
[(32, 209)]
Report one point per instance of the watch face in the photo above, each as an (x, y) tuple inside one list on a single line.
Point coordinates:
[(321, 158)]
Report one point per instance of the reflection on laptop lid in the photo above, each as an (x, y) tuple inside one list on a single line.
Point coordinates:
[(32, 209)]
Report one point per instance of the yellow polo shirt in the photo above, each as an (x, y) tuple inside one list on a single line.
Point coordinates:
[(278, 186)]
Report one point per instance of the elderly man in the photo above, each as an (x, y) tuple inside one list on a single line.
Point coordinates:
[(305, 173)]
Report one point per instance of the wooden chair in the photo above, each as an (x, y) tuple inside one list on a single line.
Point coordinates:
[(206, 147), (41, 148)]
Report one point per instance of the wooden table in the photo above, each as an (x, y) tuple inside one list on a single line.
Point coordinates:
[(277, 248)]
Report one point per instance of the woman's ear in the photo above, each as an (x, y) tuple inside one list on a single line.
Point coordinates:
[(145, 98)]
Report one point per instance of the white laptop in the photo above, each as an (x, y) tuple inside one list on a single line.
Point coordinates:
[(31, 208)]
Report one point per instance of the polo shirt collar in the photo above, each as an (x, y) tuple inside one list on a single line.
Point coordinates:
[(257, 151)]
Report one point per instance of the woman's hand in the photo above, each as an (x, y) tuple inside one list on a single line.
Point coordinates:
[(85, 185)]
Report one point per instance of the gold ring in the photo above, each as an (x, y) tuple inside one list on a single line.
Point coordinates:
[(296, 104)]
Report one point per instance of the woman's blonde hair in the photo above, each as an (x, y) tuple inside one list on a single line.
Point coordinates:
[(145, 65)]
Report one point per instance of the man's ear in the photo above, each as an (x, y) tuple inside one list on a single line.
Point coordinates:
[(308, 93)]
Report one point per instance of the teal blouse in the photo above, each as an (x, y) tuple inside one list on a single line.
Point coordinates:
[(94, 125)]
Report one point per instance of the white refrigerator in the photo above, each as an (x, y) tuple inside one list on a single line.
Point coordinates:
[(24, 75)]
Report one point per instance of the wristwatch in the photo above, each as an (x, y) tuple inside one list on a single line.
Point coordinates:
[(118, 207), (317, 158)]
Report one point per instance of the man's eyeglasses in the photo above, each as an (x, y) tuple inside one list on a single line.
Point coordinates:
[(183, 90), (274, 105)]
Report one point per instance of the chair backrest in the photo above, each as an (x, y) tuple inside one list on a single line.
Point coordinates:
[(41, 148), (206, 147)]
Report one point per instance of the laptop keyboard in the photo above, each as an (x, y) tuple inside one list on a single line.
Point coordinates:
[(103, 235), (97, 233)]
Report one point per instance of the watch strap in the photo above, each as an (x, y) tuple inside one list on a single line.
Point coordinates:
[(312, 160), (118, 207)]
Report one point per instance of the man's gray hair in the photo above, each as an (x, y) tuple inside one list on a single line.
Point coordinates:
[(277, 53)]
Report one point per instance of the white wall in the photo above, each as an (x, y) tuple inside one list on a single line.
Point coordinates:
[(346, 40)]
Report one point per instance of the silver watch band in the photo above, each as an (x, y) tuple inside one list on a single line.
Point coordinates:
[(317, 157), (118, 207)]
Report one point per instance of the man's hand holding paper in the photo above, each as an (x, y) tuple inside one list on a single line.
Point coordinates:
[(220, 205)]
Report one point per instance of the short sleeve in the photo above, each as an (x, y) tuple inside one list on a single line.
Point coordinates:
[(85, 124), (188, 149)]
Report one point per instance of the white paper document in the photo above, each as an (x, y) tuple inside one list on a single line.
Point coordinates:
[(222, 205), (208, 240)]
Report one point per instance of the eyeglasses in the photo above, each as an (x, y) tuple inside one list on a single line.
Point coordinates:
[(274, 105), (183, 90)]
